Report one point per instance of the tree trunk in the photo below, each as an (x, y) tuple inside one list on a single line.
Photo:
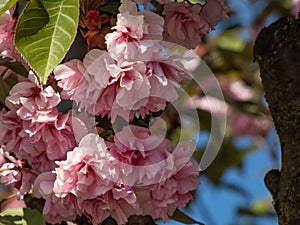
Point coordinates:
[(277, 50)]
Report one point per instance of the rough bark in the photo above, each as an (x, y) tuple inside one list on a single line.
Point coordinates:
[(277, 50)]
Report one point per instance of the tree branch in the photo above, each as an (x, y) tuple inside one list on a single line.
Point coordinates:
[(132, 220), (277, 50)]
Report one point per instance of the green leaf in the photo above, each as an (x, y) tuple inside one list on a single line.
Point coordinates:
[(6, 85), (261, 207), (45, 33), (181, 217), (6, 5), (13, 65), (34, 18), (22, 216), (232, 41)]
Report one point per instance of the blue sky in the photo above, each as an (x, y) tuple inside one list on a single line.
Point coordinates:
[(217, 206)]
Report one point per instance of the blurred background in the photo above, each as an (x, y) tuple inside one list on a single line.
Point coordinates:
[(232, 191)]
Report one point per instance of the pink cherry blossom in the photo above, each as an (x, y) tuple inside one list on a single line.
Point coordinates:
[(38, 143), (68, 76), (10, 178), (125, 203), (2, 158), (14, 173), (25, 179), (43, 143), (120, 203), (243, 124), (239, 123), (35, 130), (56, 136), (9, 173), (142, 158), (10, 126), (236, 89), (134, 89), (55, 209), (41, 163), (160, 200), (123, 85), (168, 65), (13, 202), (87, 174), (32, 102), (86, 171), (141, 30), (82, 124), (214, 11), (7, 47), (93, 92), (211, 104), (97, 209), (118, 89), (163, 80), (186, 24), (183, 24), (7, 25)]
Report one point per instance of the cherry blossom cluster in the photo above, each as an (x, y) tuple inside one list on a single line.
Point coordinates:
[(130, 70), (239, 123)]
